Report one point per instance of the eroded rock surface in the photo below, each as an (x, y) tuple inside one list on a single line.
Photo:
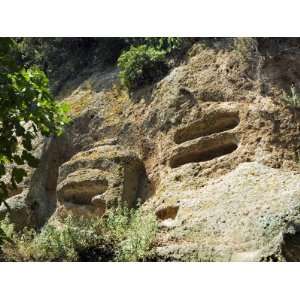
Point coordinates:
[(18, 211), (250, 214), (94, 180), (211, 149)]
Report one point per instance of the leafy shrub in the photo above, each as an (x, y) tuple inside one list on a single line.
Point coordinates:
[(146, 60), (141, 65), (122, 235), (139, 238)]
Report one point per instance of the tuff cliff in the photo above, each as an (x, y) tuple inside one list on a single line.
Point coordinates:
[(212, 148)]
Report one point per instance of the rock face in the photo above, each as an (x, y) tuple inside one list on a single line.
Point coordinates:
[(205, 139), (211, 149), (250, 214), (18, 212), (94, 180)]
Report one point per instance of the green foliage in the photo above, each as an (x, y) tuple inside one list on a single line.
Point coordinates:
[(141, 65), (167, 44), (146, 60), (292, 100), (122, 235), (26, 109), (6, 231), (138, 239)]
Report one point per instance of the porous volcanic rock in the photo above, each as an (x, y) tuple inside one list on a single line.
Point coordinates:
[(99, 178), (17, 210), (250, 214), (214, 152)]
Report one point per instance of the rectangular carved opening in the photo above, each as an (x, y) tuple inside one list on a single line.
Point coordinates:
[(212, 124), (202, 155)]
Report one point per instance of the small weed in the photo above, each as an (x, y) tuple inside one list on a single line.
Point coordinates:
[(293, 99)]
